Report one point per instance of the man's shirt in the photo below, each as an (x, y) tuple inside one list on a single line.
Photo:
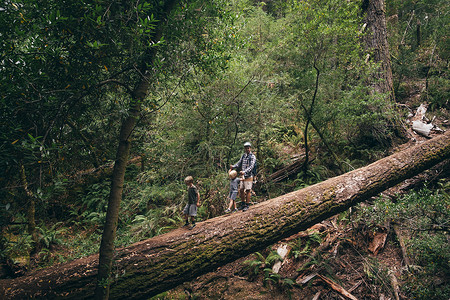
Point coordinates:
[(246, 163)]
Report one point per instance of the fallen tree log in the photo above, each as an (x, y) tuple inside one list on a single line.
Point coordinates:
[(152, 266), (286, 172)]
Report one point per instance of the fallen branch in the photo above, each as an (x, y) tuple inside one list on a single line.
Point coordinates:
[(355, 286), (441, 170), (337, 287), (283, 251), (306, 279), (313, 230), (401, 241), (317, 295), (395, 286), (293, 168), (421, 124), (422, 128)]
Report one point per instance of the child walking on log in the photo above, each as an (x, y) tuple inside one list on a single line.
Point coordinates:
[(234, 187), (190, 210)]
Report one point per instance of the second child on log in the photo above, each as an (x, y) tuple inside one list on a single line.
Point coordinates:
[(190, 210), (234, 187)]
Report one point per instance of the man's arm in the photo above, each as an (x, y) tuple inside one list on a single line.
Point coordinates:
[(238, 164)]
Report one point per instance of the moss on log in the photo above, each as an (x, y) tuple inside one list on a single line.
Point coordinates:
[(152, 266)]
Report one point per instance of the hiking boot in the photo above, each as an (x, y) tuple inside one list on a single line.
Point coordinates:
[(186, 224), (245, 208), (227, 210), (192, 227), (235, 210)]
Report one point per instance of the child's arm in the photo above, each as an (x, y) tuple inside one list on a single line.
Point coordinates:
[(198, 198)]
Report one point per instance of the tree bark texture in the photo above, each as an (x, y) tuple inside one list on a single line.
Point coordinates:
[(152, 266), (376, 42)]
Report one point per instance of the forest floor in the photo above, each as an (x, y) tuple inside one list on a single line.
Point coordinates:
[(337, 258)]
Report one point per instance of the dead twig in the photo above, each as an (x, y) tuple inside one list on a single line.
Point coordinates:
[(306, 279), (401, 241), (337, 287), (394, 283), (317, 295), (355, 286), (319, 227)]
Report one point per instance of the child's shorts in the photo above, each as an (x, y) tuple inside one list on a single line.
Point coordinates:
[(233, 195), (190, 210)]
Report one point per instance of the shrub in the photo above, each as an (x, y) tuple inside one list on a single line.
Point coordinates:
[(425, 214)]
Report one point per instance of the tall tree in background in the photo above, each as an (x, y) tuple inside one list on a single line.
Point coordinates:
[(322, 38), (376, 43), (140, 92), (381, 80)]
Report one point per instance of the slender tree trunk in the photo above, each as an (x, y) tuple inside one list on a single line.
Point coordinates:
[(152, 266), (324, 141), (31, 205), (308, 114), (236, 132), (418, 34), (106, 253)]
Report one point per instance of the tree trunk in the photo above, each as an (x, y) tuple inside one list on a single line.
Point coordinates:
[(106, 253), (152, 266), (31, 206), (308, 113), (376, 42)]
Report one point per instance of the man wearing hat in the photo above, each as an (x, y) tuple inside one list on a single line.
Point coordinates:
[(246, 164)]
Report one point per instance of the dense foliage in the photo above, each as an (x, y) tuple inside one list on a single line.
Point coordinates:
[(289, 76)]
